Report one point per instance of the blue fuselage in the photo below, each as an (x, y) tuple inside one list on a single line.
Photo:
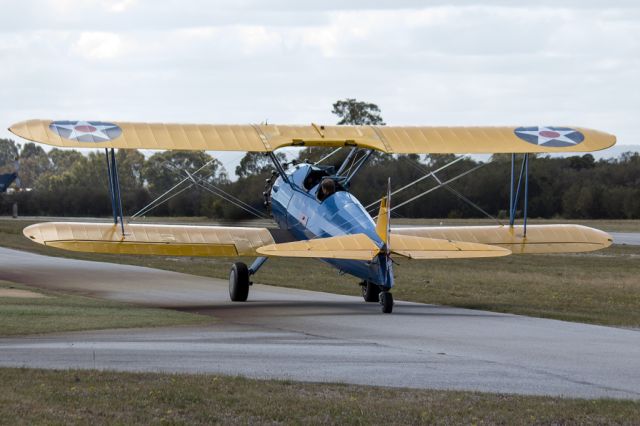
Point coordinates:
[(298, 210)]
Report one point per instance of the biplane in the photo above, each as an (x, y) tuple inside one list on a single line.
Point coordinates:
[(316, 214)]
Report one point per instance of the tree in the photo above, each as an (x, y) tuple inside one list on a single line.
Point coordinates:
[(354, 112), (63, 159), (34, 163), (69, 183), (8, 155), (350, 112), (165, 169), (77, 190), (255, 163)]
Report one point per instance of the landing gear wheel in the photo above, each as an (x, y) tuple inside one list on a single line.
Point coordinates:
[(370, 292), (386, 300), (239, 282)]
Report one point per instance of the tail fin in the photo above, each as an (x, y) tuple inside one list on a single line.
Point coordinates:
[(383, 226)]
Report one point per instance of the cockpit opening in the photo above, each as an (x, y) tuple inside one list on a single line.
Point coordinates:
[(314, 177)]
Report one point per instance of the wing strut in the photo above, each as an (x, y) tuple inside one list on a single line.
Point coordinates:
[(514, 197), (114, 188), (279, 167)]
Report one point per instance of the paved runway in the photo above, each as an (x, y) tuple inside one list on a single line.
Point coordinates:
[(310, 336), (629, 238)]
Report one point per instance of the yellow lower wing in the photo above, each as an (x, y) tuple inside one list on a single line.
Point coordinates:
[(361, 247), (411, 242), (539, 239), (432, 248), (166, 240)]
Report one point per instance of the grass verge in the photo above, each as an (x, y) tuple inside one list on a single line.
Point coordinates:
[(600, 287), (30, 396), (63, 312)]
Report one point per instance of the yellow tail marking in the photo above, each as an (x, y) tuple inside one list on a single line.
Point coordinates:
[(382, 226)]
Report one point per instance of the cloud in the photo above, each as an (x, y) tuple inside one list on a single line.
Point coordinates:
[(473, 62), (118, 6), (98, 45)]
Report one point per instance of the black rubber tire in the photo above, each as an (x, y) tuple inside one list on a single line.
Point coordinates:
[(370, 292), (386, 300), (239, 282)]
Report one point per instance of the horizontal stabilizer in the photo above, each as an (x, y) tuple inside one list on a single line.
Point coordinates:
[(431, 248), (539, 239), (354, 247), (361, 247), (165, 240), (269, 137)]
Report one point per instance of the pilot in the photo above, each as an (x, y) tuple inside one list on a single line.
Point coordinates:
[(327, 188)]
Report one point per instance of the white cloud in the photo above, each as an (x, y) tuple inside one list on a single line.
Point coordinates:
[(118, 6), (98, 45), (73, 6), (475, 62), (257, 39)]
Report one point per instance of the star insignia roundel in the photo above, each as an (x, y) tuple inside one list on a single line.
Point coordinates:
[(556, 137), (86, 131)]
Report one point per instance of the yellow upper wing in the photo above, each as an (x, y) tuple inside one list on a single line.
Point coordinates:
[(264, 138)]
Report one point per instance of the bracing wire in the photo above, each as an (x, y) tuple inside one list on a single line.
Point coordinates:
[(230, 198), (437, 187), (159, 200), (471, 203), (142, 212), (420, 179), (326, 157), (455, 192), (202, 183), (251, 211)]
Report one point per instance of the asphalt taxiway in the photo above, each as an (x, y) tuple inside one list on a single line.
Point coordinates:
[(312, 336), (628, 238)]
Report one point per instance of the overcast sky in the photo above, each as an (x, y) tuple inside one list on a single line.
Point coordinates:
[(429, 63)]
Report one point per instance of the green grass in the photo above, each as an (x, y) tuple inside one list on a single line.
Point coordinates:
[(63, 312), (30, 396), (601, 287)]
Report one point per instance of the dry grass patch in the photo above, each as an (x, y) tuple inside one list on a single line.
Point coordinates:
[(57, 312)]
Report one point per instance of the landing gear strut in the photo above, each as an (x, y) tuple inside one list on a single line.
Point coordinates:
[(386, 301), (370, 291)]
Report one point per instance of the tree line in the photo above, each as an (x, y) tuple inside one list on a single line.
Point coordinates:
[(69, 183)]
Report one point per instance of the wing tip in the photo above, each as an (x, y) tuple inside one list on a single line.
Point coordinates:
[(34, 233)]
